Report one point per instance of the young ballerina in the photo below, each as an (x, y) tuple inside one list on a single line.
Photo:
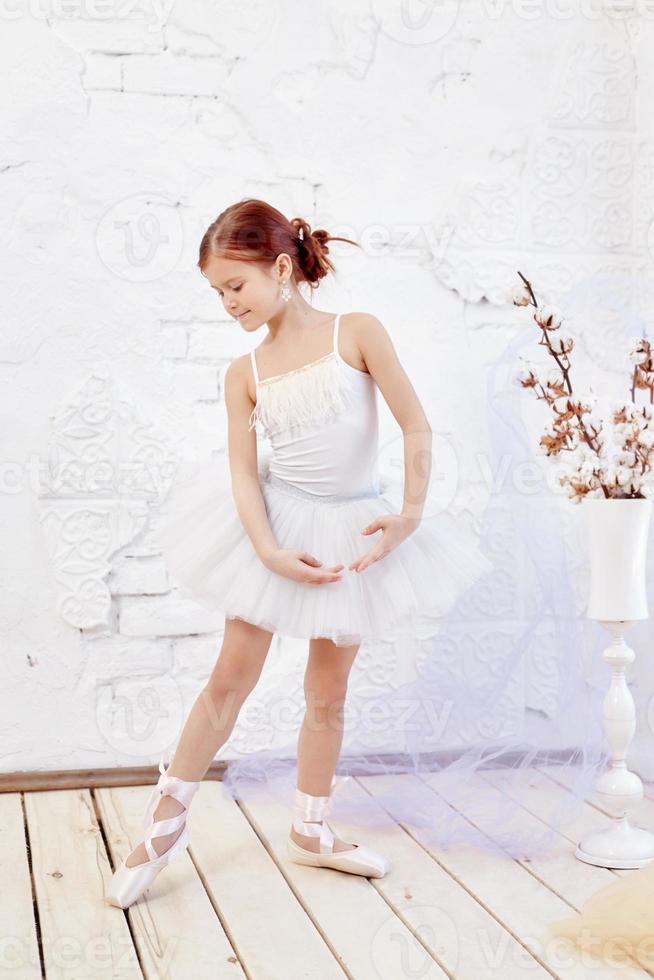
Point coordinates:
[(306, 544)]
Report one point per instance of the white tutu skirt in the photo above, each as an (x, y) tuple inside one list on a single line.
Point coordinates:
[(210, 558)]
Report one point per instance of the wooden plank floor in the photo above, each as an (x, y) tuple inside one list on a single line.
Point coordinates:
[(234, 906)]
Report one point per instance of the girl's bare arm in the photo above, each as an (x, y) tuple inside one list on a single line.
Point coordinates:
[(243, 466), (242, 447), (378, 352)]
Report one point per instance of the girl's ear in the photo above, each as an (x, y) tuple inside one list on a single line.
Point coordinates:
[(283, 264)]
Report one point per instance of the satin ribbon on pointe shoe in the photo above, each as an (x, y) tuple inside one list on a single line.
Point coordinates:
[(181, 790), (128, 883), (155, 795), (310, 809)]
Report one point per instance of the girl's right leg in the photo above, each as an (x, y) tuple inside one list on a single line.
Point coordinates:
[(212, 717)]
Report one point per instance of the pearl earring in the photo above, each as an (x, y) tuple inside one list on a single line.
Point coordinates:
[(286, 292)]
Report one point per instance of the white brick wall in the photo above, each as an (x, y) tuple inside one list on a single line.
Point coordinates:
[(469, 145)]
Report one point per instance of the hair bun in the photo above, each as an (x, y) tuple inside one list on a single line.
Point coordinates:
[(312, 250), (303, 228)]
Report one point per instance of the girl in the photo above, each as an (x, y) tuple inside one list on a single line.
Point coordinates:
[(305, 543)]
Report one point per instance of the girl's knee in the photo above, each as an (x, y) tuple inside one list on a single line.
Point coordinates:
[(232, 681), (240, 661), (325, 690)]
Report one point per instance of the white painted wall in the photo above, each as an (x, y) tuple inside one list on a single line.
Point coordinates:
[(472, 139)]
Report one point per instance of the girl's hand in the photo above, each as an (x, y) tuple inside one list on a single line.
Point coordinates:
[(395, 528), (302, 567)]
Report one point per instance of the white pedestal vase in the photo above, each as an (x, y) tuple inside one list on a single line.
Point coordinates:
[(617, 532)]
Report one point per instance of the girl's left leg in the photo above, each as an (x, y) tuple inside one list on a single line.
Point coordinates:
[(321, 734)]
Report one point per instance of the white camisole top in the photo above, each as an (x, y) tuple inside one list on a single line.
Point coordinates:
[(322, 424)]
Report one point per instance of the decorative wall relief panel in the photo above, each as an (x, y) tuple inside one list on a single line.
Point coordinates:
[(104, 468)]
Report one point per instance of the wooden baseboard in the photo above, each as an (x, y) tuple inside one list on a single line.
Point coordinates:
[(34, 782)]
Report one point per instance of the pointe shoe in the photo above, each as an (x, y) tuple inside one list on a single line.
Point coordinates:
[(358, 860), (129, 883)]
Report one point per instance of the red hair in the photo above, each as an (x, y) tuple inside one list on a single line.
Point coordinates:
[(253, 231)]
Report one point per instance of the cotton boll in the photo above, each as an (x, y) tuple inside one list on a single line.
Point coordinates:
[(520, 296), (548, 317), (561, 405), (555, 379)]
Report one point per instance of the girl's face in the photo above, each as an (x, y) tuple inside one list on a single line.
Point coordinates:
[(248, 291)]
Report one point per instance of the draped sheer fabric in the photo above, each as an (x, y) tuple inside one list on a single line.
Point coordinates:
[(509, 679)]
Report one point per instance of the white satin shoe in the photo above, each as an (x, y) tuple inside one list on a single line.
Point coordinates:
[(129, 883), (358, 860)]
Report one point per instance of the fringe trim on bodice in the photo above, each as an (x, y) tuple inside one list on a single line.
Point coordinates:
[(309, 394)]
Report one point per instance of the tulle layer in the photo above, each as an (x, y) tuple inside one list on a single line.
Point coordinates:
[(617, 921), (210, 557)]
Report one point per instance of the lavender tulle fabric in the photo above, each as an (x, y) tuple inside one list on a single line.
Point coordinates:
[(468, 667)]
